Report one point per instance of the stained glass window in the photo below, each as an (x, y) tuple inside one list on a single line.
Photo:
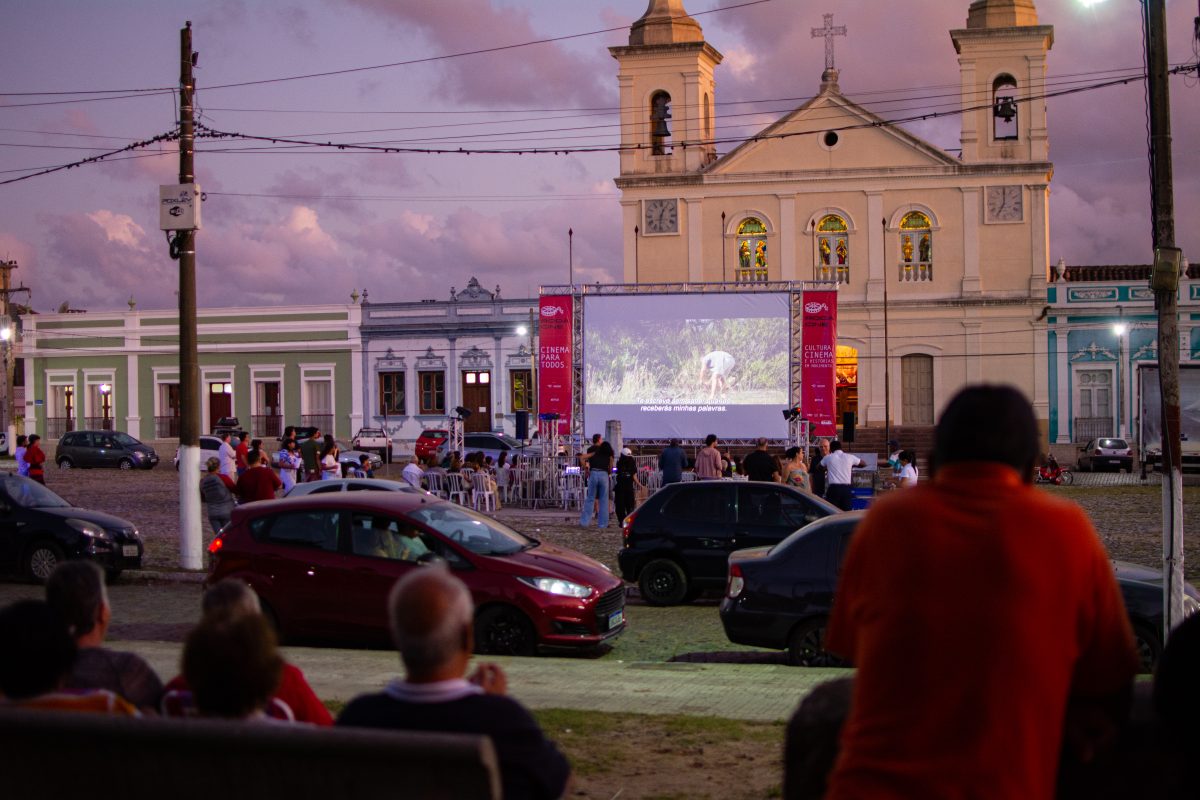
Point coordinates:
[(752, 250), (916, 247), (833, 249)]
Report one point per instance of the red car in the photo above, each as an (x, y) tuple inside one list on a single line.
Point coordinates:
[(323, 566), (428, 442)]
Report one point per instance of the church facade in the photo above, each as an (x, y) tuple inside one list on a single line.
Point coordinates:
[(940, 259)]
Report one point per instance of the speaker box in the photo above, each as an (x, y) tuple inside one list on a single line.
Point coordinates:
[(847, 426), (522, 425)]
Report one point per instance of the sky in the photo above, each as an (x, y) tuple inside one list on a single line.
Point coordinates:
[(295, 224)]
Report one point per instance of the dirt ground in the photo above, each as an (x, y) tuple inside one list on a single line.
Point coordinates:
[(641, 756)]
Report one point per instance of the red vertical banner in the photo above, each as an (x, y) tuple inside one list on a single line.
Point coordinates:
[(554, 359), (818, 365)]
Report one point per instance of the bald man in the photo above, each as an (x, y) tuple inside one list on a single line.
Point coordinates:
[(432, 619)]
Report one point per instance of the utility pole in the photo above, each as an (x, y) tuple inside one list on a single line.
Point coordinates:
[(8, 336), (887, 353), (191, 551), (1164, 281)]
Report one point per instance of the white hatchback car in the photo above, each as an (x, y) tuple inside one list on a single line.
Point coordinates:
[(352, 485)]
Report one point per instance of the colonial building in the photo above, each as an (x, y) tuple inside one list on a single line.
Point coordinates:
[(940, 258), (290, 365), (1102, 325), (422, 360)]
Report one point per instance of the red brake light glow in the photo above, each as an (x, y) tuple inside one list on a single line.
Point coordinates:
[(216, 544)]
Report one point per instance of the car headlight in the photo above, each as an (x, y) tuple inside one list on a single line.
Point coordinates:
[(557, 586), (90, 529), (1190, 605)]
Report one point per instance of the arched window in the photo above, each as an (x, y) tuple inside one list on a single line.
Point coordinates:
[(660, 112), (833, 249), (1004, 108), (708, 117), (752, 250), (916, 247)]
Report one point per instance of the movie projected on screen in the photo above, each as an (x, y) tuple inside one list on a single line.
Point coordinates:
[(686, 365)]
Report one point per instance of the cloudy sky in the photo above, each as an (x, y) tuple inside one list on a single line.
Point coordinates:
[(294, 224)]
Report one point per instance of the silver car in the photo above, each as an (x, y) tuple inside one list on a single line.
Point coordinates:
[(352, 485)]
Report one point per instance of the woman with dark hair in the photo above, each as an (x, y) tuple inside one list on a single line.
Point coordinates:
[(233, 666), (907, 476), (330, 468), (795, 471)]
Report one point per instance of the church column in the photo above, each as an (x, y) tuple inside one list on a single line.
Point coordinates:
[(629, 122), (1039, 139), (874, 225), (788, 269), (972, 347), (970, 132), (1039, 245), (870, 374), (695, 240), (629, 218), (971, 209), (689, 126)]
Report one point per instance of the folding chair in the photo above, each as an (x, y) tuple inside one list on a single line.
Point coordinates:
[(481, 491)]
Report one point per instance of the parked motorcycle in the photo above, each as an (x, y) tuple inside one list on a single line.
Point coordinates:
[(1051, 472)]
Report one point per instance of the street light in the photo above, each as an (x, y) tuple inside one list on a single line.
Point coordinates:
[(1120, 328)]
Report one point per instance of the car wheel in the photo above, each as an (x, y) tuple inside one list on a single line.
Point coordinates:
[(1148, 646), (125, 463), (663, 583), (41, 560), (504, 631), (806, 646), (65, 463)]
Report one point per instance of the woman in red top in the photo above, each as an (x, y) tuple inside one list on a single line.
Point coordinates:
[(36, 459)]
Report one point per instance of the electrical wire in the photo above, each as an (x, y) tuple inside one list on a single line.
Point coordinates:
[(162, 137)]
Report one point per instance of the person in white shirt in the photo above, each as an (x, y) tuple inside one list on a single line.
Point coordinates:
[(413, 473), (907, 477), (290, 462), (838, 465), (227, 456)]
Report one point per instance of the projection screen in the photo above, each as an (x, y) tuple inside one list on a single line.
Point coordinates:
[(686, 365)]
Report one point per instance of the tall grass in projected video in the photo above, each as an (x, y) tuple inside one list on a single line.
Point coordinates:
[(643, 362)]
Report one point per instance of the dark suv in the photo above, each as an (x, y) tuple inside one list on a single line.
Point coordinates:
[(103, 449), (677, 542)]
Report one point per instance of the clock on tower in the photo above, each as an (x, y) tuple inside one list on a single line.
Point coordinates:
[(662, 216)]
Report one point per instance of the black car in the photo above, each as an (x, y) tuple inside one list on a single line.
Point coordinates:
[(103, 449), (677, 542), (229, 425), (38, 530), (781, 597)]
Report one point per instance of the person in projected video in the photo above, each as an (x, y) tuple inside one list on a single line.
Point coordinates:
[(716, 370)]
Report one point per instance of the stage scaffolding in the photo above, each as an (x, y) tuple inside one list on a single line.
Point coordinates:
[(798, 431)]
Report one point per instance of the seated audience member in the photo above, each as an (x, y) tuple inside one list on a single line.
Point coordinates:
[(413, 473), (431, 618), (1176, 695), (232, 666), (231, 598), (36, 662), (76, 592)]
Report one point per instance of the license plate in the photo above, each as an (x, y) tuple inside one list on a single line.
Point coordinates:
[(129, 550), (615, 619)]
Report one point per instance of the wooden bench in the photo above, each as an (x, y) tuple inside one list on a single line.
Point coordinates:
[(57, 754)]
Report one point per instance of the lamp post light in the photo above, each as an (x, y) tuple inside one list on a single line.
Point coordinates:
[(105, 406)]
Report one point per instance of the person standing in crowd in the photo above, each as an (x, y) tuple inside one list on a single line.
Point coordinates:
[(838, 467), (240, 451), (227, 456), (599, 461), (259, 481), (708, 460), (432, 620), (330, 468), (290, 462), (794, 471), (216, 490), (671, 461), (36, 459), (412, 472), (962, 699), (76, 592), (19, 455), (624, 497), (761, 465), (310, 451), (816, 472)]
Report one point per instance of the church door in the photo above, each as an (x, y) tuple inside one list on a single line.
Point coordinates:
[(477, 396), (916, 378)]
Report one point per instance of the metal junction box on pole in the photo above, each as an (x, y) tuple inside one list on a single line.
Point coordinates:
[(179, 207)]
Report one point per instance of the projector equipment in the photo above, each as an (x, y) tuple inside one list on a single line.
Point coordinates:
[(462, 412)]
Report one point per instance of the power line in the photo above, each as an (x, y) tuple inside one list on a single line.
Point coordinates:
[(162, 137)]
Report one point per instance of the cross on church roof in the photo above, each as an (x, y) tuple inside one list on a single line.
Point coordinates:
[(828, 32)]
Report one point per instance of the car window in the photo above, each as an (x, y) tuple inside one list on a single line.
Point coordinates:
[(70, 440), (124, 439), (107, 442), (706, 502), (210, 444), (317, 529), (30, 494), (760, 504), (380, 536), (336, 487), (477, 533)]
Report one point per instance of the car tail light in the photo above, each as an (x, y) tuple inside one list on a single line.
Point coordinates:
[(1097, 453), (627, 528), (216, 544), (736, 582)]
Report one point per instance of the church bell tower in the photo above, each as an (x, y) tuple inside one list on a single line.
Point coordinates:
[(1002, 62), (667, 93)]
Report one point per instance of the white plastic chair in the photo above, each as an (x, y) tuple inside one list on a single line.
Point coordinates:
[(481, 492), (436, 482), (573, 489), (456, 488)]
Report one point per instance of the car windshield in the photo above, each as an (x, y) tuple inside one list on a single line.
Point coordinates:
[(477, 533), (370, 432), (125, 440), (433, 434), (30, 494)]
